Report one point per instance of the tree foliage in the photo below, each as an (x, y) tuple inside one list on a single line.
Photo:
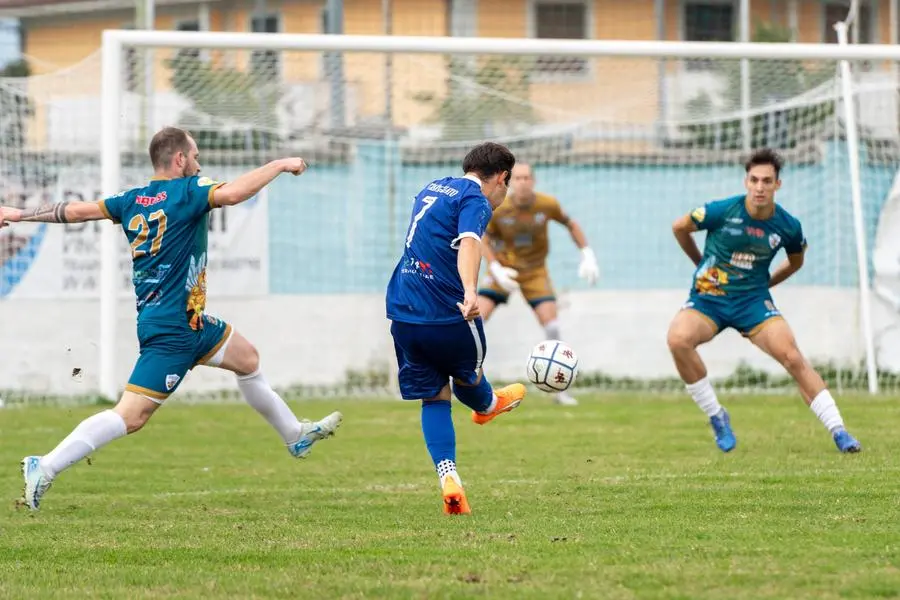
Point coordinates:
[(16, 107), (230, 109), (771, 82), (484, 97)]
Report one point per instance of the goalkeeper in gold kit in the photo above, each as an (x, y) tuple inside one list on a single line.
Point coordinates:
[(516, 245)]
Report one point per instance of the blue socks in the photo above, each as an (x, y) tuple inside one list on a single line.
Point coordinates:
[(440, 437), (477, 397)]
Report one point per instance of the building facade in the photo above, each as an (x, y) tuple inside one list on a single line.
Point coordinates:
[(61, 40)]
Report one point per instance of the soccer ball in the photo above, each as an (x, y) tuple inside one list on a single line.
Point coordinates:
[(552, 366)]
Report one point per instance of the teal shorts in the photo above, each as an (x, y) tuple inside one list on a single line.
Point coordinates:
[(168, 352), (745, 313)]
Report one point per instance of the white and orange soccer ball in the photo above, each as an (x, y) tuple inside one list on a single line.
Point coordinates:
[(552, 366)]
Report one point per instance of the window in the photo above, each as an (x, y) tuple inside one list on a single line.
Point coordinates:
[(265, 62), (707, 22), (560, 19), (860, 31), (193, 53)]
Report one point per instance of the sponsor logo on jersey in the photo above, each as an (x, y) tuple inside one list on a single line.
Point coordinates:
[(154, 275), (153, 298), (150, 200), (414, 266), (755, 232), (743, 260), (206, 182)]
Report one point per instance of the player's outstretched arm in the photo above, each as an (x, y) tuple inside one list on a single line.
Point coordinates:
[(249, 184), (57, 212), (683, 229), (787, 268)]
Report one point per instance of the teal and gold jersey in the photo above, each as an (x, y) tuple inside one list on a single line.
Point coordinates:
[(166, 224), (739, 249)]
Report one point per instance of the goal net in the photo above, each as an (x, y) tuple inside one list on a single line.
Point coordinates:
[(627, 144)]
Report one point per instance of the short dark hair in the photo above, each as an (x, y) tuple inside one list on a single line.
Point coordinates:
[(166, 144), (765, 156), (488, 159)]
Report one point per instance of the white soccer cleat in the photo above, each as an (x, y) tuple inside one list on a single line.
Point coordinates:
[(313, 432), (36, 482), (565, 399)]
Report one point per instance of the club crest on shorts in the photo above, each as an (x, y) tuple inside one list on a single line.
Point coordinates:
[(171, 381)]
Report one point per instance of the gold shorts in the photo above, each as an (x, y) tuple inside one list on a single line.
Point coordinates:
[(535, 285)]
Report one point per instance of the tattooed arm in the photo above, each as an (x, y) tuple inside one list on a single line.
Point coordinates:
[(58, 212)]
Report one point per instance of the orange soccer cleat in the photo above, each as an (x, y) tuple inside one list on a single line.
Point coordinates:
[(507, 399), (455, 502)]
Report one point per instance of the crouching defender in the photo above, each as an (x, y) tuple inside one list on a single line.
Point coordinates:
[(166, 224), (432, 303), (731, 289)]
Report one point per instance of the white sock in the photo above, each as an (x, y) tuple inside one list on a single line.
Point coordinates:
[(91, 434), (493, 405), (827, 411), (551, 330), (260, 395), (705, 396), (447, 468)]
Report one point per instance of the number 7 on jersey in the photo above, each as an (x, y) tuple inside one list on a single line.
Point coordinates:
[(427, 202)]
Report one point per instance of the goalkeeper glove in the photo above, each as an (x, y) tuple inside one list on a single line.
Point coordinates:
[(588, 269), (504, 276)]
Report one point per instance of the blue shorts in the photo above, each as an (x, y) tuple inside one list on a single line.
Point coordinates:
[(169, 352), (744, 312), (429, 355)]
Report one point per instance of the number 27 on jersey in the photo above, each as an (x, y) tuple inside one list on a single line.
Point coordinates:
[(154, 225)]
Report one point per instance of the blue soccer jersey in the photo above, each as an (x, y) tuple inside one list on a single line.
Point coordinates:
[(166, 224), (425, 285), (739, 249)]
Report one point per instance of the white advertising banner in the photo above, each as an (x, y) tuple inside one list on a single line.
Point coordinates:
[(63, 261)]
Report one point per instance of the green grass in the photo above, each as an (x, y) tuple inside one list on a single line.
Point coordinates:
[(621, 497)]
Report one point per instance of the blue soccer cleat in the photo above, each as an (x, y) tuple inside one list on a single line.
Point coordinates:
[(721, 425), (36, 482), (846, 442), (313, 432)]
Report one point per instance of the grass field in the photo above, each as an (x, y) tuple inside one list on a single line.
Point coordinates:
[(621, 497)]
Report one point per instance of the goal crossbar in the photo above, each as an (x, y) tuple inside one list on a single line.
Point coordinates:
[(497, 46)]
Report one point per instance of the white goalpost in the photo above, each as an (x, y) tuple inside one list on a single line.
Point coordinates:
[(115, 41), (627, 134)]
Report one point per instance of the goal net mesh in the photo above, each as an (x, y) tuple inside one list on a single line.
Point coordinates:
[(627, 145)]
